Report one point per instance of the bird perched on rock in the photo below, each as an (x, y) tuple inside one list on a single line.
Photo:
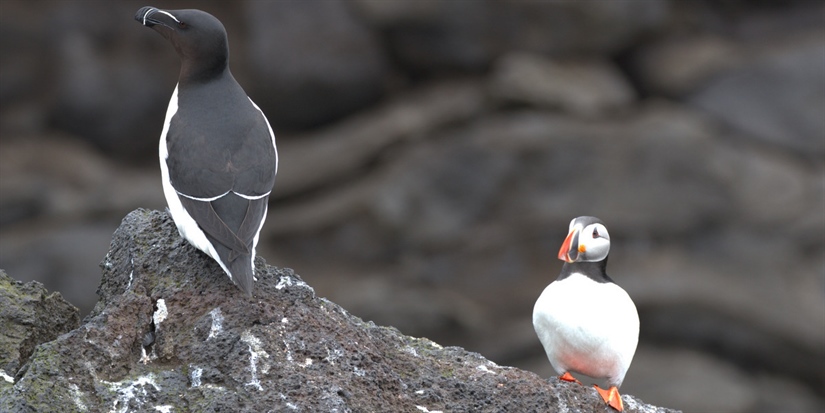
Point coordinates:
[(586, 323), (218, 158)]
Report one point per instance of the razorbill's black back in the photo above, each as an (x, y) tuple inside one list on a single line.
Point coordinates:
[(217, 152)]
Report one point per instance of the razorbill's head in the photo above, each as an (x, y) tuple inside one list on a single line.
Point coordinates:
[(587, 241), (198, 37)]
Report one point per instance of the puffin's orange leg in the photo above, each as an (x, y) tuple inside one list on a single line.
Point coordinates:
[(611, 397), (568, 377)]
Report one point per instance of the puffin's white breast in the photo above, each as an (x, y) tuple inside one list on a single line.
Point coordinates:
[(587, 327)]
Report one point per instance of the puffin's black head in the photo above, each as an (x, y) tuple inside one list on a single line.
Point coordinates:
[(587, 241), (198, 37)]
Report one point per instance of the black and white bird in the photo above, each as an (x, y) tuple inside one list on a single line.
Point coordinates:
[(586, 323), (217, 152)]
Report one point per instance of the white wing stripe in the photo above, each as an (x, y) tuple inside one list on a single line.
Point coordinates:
[(250, 197), (203, 199)]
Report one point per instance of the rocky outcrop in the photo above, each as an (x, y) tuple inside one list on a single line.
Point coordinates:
[(433, 153), (171, 333), (29, 316)]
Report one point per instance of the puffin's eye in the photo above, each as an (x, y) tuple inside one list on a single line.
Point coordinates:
[(595, 233)]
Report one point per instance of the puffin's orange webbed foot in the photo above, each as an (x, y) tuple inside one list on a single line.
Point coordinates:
[(568, 377), (611, 397)]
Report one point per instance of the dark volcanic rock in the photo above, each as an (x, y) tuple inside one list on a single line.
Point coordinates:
[(29, 315), (171, 333)]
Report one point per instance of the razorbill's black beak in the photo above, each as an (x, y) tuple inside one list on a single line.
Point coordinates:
[(152, 16), (144, 16)]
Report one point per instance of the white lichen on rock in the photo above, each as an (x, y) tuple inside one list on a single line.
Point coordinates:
[(6, 377), (256, 353), (160, 314), (217, 323), (126, 391)]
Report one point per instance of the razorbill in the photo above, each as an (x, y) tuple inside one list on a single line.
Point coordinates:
[(217, 151)]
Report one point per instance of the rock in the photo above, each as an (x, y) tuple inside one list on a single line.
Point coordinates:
[(432, 196), (310, 63), (29, 316), (755, 99), (55, 175), (24, 85), (722, 385), (677, 65), (63, 258), (576, 87), (104, 90), (349, 147), (59, 203), (110, 82), (524, 168), (171, 333), (432, 37), (390, 13)]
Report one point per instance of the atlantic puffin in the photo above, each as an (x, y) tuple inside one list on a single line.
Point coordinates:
[(586, 323)]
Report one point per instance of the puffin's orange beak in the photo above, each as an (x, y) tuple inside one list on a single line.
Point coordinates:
[(569, 248)]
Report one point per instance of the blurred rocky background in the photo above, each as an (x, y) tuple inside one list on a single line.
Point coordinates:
[(434, 151)]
